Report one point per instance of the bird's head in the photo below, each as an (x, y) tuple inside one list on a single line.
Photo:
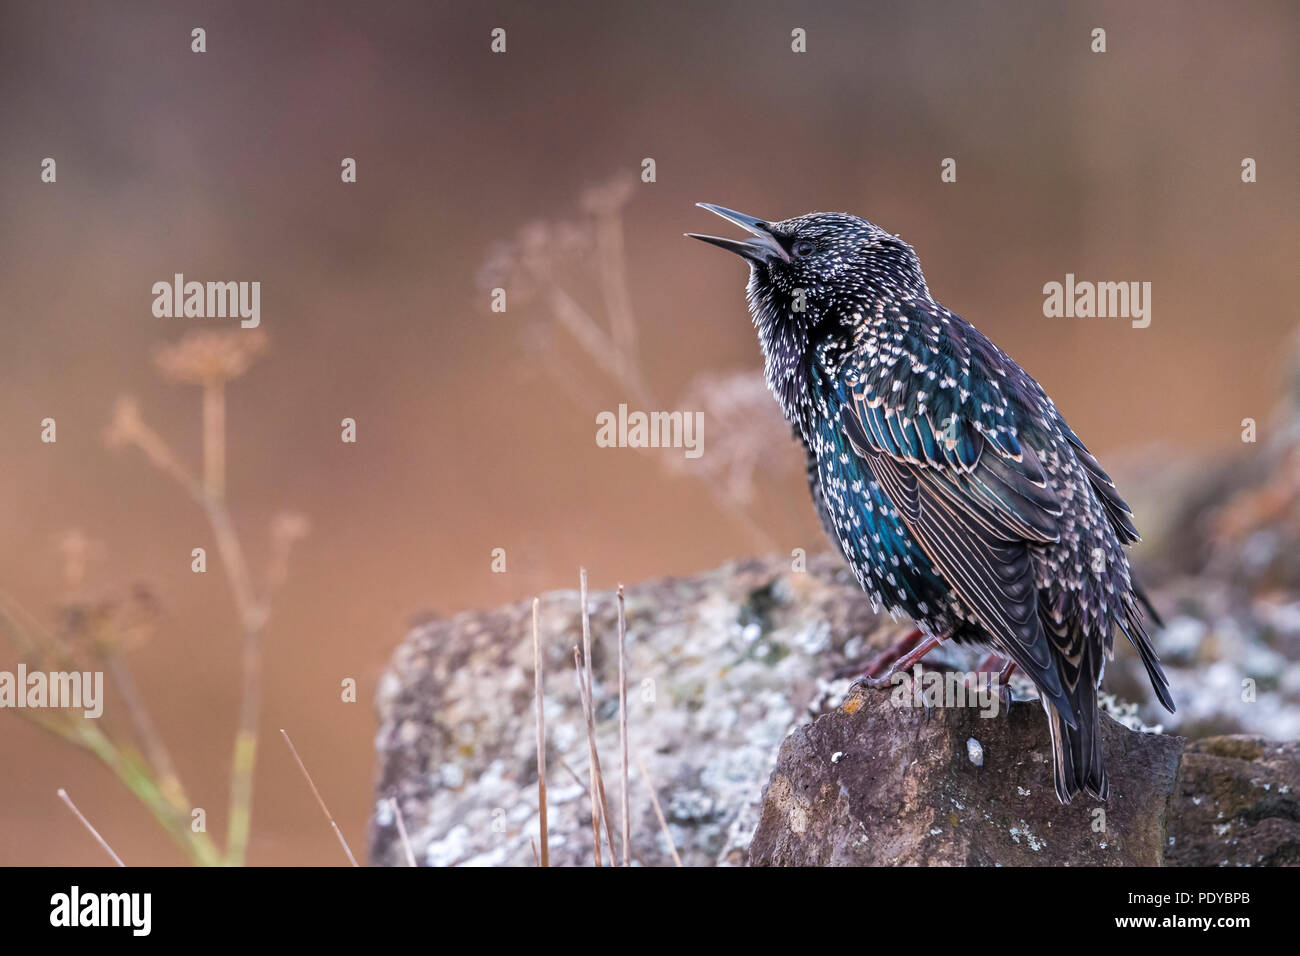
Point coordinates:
[(812, 279), (806, 269)]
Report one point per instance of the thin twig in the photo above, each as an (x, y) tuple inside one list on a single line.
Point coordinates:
[(63, 795), (599, 789), (613, 273), (573, 773), (169, 781), (127, 428), (654, 800), (214, 438), (591, 754), (591, 716), (124, 764), (586, 629), (622, 723), (401, 831), (541, 736), (324, 809)]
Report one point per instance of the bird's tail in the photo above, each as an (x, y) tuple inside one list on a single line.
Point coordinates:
[(1077, 761)]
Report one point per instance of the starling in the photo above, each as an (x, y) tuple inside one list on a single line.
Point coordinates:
[(943, 472)]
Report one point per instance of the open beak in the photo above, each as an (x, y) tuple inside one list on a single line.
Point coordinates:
[(764, 247)]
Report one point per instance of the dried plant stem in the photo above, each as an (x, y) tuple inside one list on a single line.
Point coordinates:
[(577, 778), (232, 557), (169, 781), (253, 616), (613, 274), (591, 755), (538, 683), (135, 775), (599, 789), (214, 438), (401, 831), (654, 801), (63, 795), (244, 759), (156, 449), (210, 496), (591, 713), (622, 724), (586, 630), (210, 361), (324, 809)]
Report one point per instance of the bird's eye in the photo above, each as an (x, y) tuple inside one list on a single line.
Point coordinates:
[(804, 247)]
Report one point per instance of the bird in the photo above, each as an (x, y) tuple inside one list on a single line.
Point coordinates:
[(945, 474)]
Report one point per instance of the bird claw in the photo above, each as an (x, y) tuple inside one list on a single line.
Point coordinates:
[(884, 680)]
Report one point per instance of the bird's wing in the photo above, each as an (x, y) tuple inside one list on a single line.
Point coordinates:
[(971, 495), (1117, 509)]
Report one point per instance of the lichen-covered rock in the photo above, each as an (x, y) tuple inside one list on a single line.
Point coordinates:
[(720, 667), (1236, 803), (871, 784)]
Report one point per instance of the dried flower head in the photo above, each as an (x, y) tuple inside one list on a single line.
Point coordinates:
[(209, 358)]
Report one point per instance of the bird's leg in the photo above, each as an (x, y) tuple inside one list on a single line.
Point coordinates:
[(891, 654), (1004, 683), (990, 663), (920, 646), (1000, 684)]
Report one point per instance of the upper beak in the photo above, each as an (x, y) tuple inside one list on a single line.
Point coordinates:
[(762, 248)]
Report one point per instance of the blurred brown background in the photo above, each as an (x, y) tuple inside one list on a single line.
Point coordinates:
[(225, 166)]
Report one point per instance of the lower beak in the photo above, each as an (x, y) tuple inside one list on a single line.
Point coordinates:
[(764, 247)]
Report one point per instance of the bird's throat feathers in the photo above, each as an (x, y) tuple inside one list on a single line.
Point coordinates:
[(803, 348)]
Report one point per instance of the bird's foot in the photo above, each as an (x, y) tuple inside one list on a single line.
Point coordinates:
[(900, 658), (1004, 685), (1001, 684)]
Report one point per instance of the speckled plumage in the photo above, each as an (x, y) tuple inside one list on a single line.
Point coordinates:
[(945, 474)]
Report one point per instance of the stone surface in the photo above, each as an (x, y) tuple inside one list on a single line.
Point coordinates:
[(720, 667), (875, 784), (1236, 803), (871, 784), (728, 668)]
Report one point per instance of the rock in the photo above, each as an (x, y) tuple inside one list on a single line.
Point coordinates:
[(872, 784), (952, 787), (1236, 803), (726, 673), (720, 667)]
